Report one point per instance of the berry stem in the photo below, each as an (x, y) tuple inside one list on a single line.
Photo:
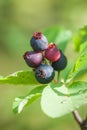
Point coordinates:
[(58, 76)]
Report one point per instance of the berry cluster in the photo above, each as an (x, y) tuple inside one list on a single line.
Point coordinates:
[(42, 51)]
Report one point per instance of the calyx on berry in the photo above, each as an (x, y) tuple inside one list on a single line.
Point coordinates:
[(33, 59), (39, 42), (37, 35), (44, 73), (52, 53)]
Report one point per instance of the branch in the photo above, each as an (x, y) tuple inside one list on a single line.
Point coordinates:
[(77, 117), (81, 123)]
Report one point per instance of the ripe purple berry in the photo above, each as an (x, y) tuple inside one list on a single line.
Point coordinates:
[(39, 42), (33, 59), (52, 53), (44, 73), (61, 63)]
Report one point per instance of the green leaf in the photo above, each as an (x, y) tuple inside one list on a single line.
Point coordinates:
[(80, 38), (20, 77), (78, 92), (54, 103), (20, 102), (58, 100), (58, 35), (80, 66)]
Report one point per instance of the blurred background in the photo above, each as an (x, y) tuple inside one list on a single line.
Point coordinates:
[(18, 20)]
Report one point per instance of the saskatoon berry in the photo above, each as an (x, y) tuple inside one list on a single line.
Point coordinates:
[(61, 63), (39, 42), (33, 59), (44, 73), (52, 53)]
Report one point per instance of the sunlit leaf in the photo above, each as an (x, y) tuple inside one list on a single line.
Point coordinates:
[(54, 103), (20, 77), (58, 100), (80, 66), (20, 102)]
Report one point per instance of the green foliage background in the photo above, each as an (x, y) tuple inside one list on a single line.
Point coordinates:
[(18, 20)]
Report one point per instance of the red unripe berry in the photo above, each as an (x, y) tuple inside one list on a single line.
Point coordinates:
[(61, 63), (33, 59), (52, 53)]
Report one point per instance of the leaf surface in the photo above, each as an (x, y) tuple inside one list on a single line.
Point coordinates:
[(58, 100), (21, 78), (20, 102), (80, 65)]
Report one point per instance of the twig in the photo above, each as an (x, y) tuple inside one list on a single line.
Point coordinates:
[(77, 117), (82, 123)]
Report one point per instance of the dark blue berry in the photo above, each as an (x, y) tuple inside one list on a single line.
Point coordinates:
[(61, 63), (39, 42), (44, 73), (33, 59)]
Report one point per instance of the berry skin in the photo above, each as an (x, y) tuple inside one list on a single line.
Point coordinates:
[(44, 73), (33, 59), (39, 42), (52, 53), (61, 63)]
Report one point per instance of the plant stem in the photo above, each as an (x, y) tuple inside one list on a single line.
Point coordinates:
[(58, 76), (77, 117), (82, 123)]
